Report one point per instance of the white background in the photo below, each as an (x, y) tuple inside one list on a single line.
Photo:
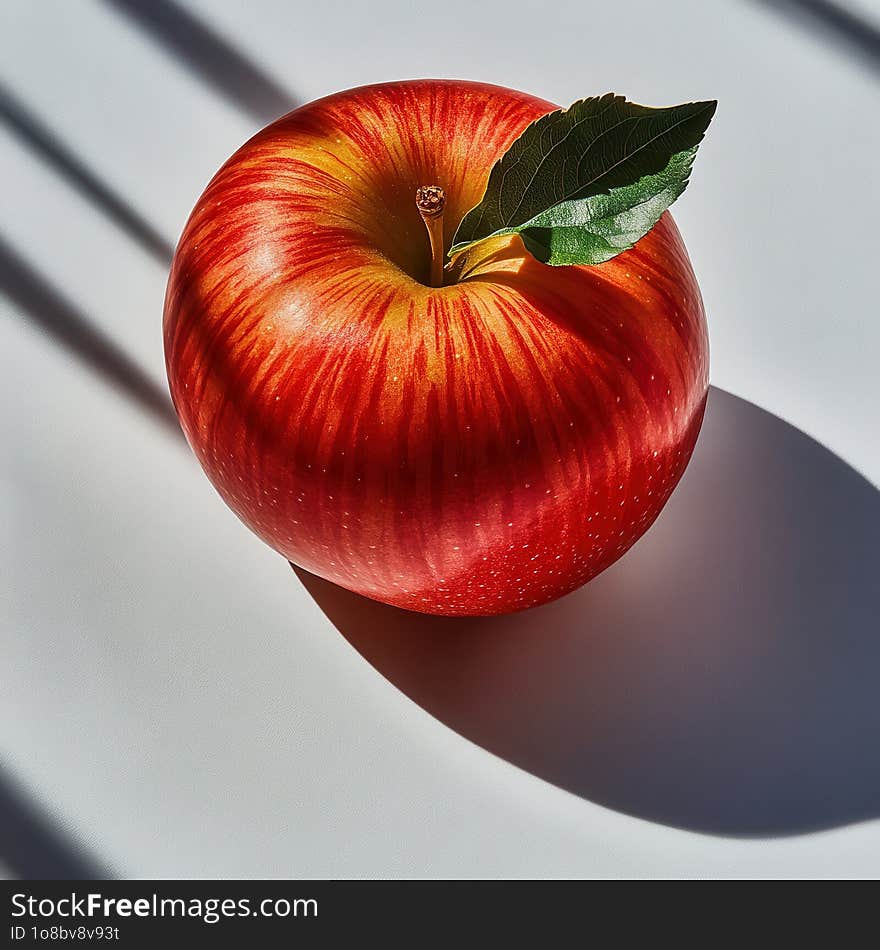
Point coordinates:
[(170, 692)]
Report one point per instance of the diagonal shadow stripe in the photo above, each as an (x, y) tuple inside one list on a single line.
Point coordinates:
[(40, 140), (209, 56), (61, 320), (33, 849), (838, 23)]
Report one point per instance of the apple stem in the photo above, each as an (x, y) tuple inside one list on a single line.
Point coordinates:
[(431, 200)]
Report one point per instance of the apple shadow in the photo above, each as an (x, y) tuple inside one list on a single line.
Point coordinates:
[(724, 676)]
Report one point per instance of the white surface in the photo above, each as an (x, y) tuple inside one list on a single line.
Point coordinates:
[(169, 690)]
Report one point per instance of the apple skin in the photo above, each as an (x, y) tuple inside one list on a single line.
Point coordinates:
[(473, 449)]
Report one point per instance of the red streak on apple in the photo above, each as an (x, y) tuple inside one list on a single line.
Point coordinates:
[(471, 449)]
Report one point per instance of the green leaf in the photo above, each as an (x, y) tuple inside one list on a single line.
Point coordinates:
[(582, 184)]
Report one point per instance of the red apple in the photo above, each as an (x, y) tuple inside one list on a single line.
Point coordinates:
[(476, 448)]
